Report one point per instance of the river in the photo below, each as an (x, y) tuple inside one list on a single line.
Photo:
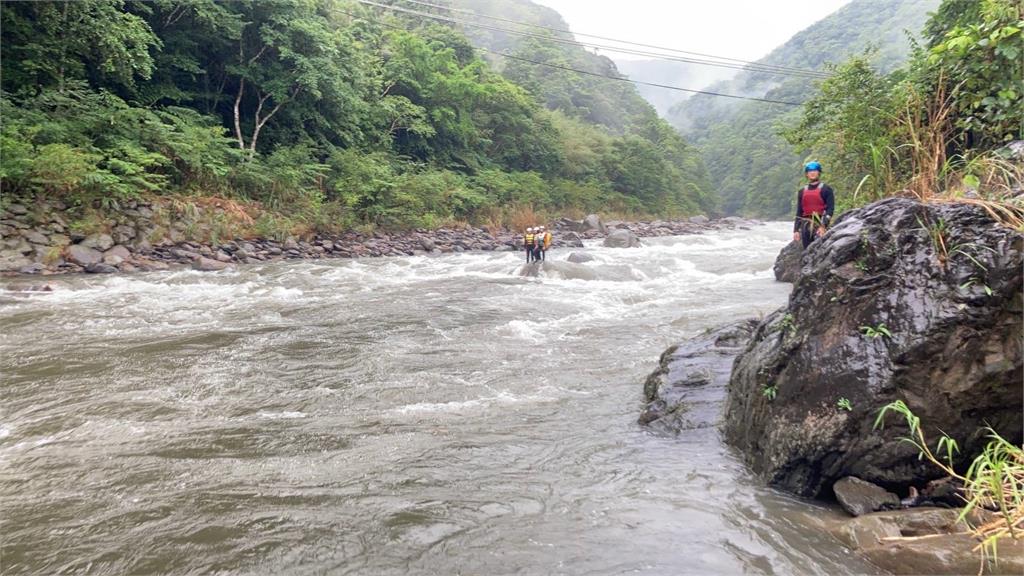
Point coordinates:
[(420, 415)]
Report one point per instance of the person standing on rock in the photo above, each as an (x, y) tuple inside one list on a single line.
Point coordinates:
[(530, 244), (815, 204), (545, 242)]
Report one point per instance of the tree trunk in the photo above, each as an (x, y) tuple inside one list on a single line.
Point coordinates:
[(238, 119)]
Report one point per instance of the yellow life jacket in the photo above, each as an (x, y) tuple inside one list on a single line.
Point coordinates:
[(547, 240), (530, 239)]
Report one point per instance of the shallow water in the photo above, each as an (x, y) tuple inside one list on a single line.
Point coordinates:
[(388, 416)]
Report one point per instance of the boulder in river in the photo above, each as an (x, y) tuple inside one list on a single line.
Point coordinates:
[(82, 255), (571, 239), (593, 223), (621, 238), (787, 265), (579, 257), (686, 391), (209, 264), (98, 241), (883, 312)]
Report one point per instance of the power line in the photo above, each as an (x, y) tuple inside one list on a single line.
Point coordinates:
[(725, 59), (679, 88), (588, 73), (752, 68)]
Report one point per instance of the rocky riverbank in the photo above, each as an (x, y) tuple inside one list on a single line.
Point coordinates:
[(898, 301), (41, 237)]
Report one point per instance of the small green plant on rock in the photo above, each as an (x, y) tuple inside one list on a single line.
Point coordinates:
[(973, 281), (769, 392), (844, 404), (875, 332), (787, 324)]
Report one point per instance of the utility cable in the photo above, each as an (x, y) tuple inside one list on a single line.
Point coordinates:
[(724, 59), (588, 73), (749, 68)]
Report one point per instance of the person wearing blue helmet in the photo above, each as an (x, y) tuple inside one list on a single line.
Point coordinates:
[(815, 204)]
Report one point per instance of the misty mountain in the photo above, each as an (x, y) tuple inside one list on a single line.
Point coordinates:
[(670, 73), (758, 171)]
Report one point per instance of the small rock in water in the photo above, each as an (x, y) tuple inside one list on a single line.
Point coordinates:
[(209, 265), (579, 257), (100, 268), (859, 497)]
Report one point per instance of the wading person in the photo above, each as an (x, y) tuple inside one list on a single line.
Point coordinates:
[(545, 242), (815, 204), (530, 244)]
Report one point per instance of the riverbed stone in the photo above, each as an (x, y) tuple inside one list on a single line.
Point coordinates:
[(124, 234), (621, 238), (35, 237), (925, 541), (593, 223), (59, 240), (571, 240), (579, 257), (209, 265), (98, 241), (878, 266), (859, 497), (82, 255), (12, 260), (100, 268), (17, 209)]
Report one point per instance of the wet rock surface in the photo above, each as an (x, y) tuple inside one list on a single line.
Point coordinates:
[(687, 389), (859, 497), (147, 236), (787, 265), (622, 239), (925, 541), (883, 312)]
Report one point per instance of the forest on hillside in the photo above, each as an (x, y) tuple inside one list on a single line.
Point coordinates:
[(328, 112), (743, 141)]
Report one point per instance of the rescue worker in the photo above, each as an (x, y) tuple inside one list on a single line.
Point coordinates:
[(545, 242), (530, 244), (815, 204)]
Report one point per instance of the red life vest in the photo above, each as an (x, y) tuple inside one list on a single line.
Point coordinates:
[(811, 201)]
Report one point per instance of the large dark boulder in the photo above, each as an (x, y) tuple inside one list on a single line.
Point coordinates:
[(899, 301), (787, 264)]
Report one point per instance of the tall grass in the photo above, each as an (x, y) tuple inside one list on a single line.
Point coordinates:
[(994, 480), (924, 168)]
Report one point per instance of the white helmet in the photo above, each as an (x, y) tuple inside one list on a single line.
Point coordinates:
[(529, 229), (542, 228)]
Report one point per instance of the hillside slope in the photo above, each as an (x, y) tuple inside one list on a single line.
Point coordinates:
[(740, 140)]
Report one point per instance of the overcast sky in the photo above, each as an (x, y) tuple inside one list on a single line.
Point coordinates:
[(744, 29)]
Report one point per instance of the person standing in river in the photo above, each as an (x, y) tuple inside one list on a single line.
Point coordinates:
[(815, 204), (530, 244), (544, 242)]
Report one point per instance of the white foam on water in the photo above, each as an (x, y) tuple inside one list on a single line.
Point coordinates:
[(281, 415)]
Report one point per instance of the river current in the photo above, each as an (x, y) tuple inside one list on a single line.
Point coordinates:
[(420, 415)]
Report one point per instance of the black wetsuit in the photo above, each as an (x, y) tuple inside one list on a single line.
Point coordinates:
[(804, 223)]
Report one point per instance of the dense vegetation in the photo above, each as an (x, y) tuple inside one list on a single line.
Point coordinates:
[(742, 142), (324, 111)]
